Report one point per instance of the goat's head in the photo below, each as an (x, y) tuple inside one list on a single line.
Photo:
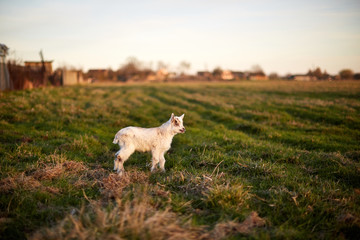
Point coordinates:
[(177, 123)]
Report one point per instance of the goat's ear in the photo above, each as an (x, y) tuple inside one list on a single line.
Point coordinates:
[(172, 117), (182, 116)]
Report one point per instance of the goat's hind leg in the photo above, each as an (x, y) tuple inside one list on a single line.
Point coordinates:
[(121, 157)]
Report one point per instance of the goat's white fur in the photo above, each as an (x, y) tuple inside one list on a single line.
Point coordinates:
[(157, 140)]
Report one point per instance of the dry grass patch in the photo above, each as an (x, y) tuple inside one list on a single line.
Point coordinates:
[(139, 219), (19, 181), (28, 183), (134, 219), (113, 185), (222, 230), (91, 177), (48, 171), (53, 190), (51, 171)]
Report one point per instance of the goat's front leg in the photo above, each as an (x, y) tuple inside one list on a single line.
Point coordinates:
[(116, 161), (162, 162), (154, 160), (120, 165)]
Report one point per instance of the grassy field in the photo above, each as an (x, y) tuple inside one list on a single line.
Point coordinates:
[(258, 160)]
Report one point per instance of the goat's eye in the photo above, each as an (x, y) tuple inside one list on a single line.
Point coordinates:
[(176, 123)]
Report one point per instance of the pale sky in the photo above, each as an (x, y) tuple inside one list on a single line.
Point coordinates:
[(281, 36)]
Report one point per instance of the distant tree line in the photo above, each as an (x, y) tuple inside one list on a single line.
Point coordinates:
[(345, 74), (349, 74)]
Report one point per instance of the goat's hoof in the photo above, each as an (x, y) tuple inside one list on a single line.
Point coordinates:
[(120, 172)]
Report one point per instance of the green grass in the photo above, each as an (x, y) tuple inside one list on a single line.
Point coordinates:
[(288, 151)]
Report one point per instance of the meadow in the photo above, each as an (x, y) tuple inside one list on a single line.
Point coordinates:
[(259, 160)]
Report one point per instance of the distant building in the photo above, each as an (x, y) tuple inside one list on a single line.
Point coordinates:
[(151, 77), (227, 75), (238, 75), (99, 74), (204, 74), (162, 74), (172, 75), (42, 68), (302, 77), (72, 77), (38, 66), (356, 76), (258, 77)]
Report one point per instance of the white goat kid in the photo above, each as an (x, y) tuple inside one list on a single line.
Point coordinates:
[(157, 140)]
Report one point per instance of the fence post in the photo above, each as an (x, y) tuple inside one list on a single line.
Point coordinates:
[(5, 83)]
